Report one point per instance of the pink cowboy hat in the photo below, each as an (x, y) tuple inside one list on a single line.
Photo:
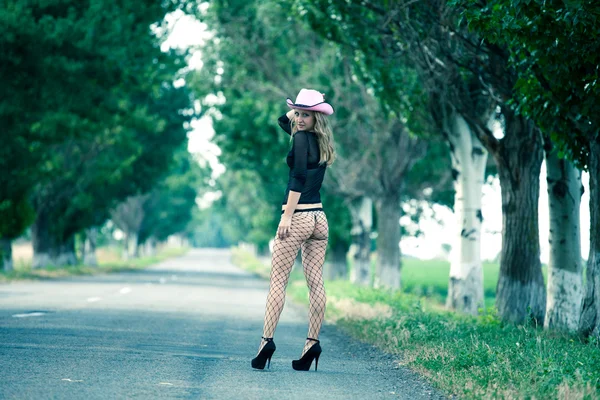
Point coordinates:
[(312, 100)]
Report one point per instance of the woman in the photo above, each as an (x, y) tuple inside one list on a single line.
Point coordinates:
[(303, 223)]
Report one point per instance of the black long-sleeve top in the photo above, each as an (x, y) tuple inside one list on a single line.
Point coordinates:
[(306, 175)]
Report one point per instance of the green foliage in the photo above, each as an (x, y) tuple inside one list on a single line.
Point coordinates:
[(357, 29), (552, 46), (380, 63), (96, 174), (170, 205), (483, 358), (338, 219), (15, 217), (432, 172), (251, 67), (261, 56), (376, 53), (249, 217), (89, 106), (206, 229)]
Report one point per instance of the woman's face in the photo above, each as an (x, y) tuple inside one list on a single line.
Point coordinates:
[(305, 120)]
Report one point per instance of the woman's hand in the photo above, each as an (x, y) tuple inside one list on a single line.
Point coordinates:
[(291, 114), (283, 231)]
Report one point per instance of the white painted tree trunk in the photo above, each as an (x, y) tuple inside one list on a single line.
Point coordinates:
[(589, 323), (131, 246), (177, 241), (89, 247), (128, 216), (565, 280), (6, 261), (362, 219), (43, 260), (149, 249), (387, 271), (469, 157)]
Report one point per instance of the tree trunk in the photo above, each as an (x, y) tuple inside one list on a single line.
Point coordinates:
[(150, 247), (521, 291), (565, 282), (362, 218), (131, 245), (50, 248), (589, 323), (6, 261), (336, 266), (89, 247), (465, 288), (388, 242)]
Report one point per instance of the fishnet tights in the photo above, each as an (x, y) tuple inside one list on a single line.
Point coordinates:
[(309, 231)]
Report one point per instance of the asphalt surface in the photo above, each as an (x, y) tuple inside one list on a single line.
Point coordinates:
[(185, 328)]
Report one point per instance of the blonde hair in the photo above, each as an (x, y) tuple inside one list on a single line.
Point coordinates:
[(324, 137)]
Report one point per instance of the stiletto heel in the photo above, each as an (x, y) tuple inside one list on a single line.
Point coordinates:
[(304, 363), (264, 355)]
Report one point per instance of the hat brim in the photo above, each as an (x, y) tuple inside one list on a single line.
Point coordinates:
[(324, 108)]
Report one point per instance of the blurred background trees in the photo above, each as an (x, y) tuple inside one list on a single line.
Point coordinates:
[(90, 117)]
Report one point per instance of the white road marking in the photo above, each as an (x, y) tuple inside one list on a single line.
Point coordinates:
[(125, 290), (72, 380), (166, 383), (93, 299), (31, 314)]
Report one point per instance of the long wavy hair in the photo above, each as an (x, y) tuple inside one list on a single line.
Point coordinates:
[(324, 137)]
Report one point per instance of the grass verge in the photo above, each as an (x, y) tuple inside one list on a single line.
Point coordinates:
[(463, 356), (108, 260)]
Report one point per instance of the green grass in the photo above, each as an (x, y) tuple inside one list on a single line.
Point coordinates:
[(430, 278), (108, 262), (464, 356)]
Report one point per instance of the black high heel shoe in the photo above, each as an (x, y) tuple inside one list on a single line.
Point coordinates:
[(303, 364), (264, 355)]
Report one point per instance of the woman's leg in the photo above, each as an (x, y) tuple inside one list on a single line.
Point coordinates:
[(313, 258), (284, 254)]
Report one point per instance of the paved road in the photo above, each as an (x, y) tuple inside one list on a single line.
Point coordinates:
[(185, 328)]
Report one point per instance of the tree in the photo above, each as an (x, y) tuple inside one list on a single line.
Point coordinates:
[(170, 206), (96, 174), (388, 142), (85, 105), (15, 216), (377, 152), (552, 47), (474, 84), (249, 66), (389, 46), (23, 150), (362, 222), (565, 280), (128, 217)]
